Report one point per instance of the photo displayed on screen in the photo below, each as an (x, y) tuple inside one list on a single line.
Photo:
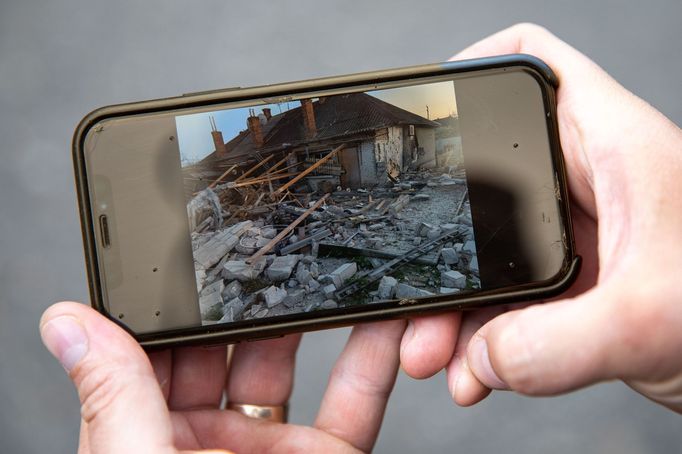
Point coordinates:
[(327, 202)]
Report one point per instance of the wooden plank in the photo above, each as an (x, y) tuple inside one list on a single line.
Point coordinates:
[(310, 169), (220, 178), (254, 168), (279, 163), (251, 182), (265, 249)]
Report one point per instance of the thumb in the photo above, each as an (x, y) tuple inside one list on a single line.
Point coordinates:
[(548, 348), (121, 401)]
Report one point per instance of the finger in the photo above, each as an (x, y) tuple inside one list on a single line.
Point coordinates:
[(235, 432), (428, 344), (548, 349), (262, 372), (198, 379), (121, 402), (360, 383), (162, 363), (464, 387), (530, 39)]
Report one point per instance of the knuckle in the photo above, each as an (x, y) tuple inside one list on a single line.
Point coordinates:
[(98, 389), (530, 29)]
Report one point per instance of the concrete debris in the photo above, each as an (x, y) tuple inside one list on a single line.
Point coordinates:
[(453, 279), (450, 256), (433, 233), (246, 246), (268, 232), (294, 297), (407, 291), (273, 296), (469, 247), (328, 290), (329, 248), (282, 267), (228, 317), (232, 290), (340, 275), (261, 313), (387, 287), (216, 287), (242, 271), (329, 304), (314, 270), (303, 274), (220, 244)]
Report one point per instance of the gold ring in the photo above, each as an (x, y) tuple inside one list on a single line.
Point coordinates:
[(273, 413)]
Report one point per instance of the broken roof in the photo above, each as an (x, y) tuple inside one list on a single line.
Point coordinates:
[(337, 116)]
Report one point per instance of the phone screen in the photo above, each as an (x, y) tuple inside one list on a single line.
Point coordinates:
[(326, 202), (346, 200)]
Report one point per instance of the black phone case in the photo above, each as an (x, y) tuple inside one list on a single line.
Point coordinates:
[(217, 334)]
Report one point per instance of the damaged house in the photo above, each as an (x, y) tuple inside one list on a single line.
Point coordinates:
[(372, 141)]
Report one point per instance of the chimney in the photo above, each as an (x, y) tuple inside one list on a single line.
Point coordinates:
[(218, 142), (308, 118), (267, 113), (254, 125)]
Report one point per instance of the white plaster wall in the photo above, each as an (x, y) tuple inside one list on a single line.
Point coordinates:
[(426, 139), (389, 145)]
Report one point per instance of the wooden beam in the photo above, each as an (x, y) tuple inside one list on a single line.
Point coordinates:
[(279, 163), (310, 169), (212, 185), (259, 180), (254, 168), (265, 249)]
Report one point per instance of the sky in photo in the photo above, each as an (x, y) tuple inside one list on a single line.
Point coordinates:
[(194, 131)]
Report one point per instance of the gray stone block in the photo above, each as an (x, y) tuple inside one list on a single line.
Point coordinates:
[(343, 273), (450, 256), (218, 286), (407, 291), (220, 244), (328, 290), (469, 247), (232, 290), (273, 296), (453, 279), (242, 271), (281, 267), (294, 297), (387, 287), (329, 304)]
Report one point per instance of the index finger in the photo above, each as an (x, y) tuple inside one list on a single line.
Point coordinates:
[(360, 383)]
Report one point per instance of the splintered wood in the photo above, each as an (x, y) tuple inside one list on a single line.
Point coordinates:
[(265, 249)]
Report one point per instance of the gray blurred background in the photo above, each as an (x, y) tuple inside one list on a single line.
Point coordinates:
[(60, 59)]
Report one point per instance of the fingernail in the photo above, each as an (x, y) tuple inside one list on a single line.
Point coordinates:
[(66, 339), (484, 371)]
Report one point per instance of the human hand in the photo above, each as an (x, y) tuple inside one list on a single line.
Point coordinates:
[(170, 401), (622, 319)]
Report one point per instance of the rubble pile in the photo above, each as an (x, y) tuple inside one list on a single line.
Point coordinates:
[(411, 239)]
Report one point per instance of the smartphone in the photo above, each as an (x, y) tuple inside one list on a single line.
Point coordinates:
[(250, 213)]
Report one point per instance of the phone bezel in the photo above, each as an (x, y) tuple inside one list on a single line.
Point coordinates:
[(220, 334)]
